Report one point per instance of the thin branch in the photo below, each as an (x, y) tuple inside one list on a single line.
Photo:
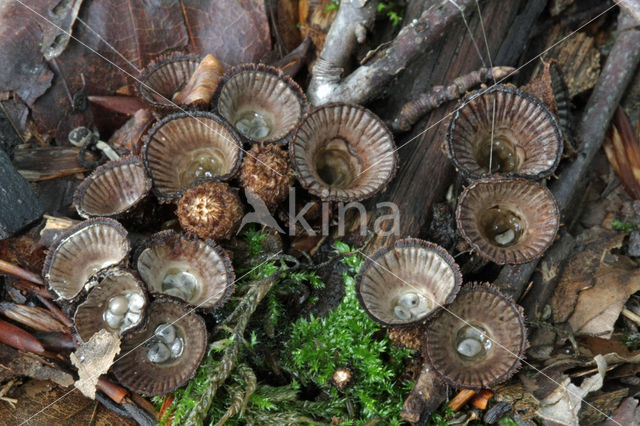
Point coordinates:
[(367, 81), (415, 109)]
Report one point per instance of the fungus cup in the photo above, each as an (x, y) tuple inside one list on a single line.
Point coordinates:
[(210, 210), (164, 354), (266, 172), (406, 283), (343, 152), (81, 252), (478, 340), (194, 270), (184, 148), (113, 189), (162, 80), (116, 304), (506, 131), (261, 103), (508, 220)]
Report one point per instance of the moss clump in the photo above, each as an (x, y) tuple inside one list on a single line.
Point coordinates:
[(347, 336)]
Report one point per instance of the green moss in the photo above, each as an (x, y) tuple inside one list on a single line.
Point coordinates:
[(348, 337)]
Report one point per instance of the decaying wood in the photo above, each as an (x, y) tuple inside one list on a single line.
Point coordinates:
[(19, 206), (420, 155), (617, 73), (16, 364), (51, 162), (577, 57), (425, 397), (368, 80)]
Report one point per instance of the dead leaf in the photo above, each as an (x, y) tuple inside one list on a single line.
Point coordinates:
[(23, 70), (599, 306), (623, 152), (126, 33), (93, 359), (234, 31), (600, 405), (563, 405), (628, 413), (579, 271), (56, 36)]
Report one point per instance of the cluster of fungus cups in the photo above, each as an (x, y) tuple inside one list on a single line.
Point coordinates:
[(503, 140), (160, 332), (338, 152), (472, 336)]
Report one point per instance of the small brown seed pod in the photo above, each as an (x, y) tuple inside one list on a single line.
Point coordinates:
[(266, 172), (211, 210)]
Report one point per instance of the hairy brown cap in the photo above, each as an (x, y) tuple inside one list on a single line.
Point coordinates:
[(266, 172), (211, 210), (408, 337)]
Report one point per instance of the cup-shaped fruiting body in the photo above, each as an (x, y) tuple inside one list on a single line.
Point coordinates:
[(505, 131), (163, 79), (113, 189), (406, 283), (116, 304), (210, 210), (261, 102), (164, 354), (343, 152), (508, 220), (184, 148), (266, 172), (81, 252), (478, 340), (194, 270)]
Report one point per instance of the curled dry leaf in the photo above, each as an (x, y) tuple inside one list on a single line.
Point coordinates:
[(594, 286), (563, 404), (580, 270), (93, 359), (203, 83), (623, 151)]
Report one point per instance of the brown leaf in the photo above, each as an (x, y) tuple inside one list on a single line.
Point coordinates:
[(138, 31), (628, 413), (599, 307), (623, 151), (63, 408), (579, 271), (234, 31), (56, 36)]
